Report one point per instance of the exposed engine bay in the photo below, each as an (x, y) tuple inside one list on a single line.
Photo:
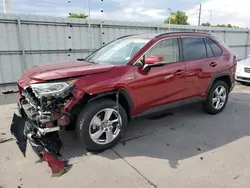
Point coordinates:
[(45, 110)]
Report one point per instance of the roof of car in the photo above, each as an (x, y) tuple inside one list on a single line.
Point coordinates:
[(151, 36), (146, 36)]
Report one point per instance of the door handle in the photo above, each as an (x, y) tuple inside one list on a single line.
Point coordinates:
[(179, 72), (213, 64)]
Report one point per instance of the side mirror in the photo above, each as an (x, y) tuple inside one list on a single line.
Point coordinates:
[(153, 61)]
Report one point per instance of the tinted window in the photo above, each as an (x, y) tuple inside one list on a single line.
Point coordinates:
[(167, 48), (209, 51), (215, 48), (194, 48)]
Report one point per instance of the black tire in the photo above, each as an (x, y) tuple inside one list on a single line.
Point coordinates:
[(85, 117), (208, 105)]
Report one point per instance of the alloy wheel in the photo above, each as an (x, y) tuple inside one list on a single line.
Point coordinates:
[(105, 126), (219, 97)]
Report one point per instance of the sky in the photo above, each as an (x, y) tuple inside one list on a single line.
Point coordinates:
[(220, 11)]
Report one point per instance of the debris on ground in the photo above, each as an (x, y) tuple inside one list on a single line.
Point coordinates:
[(199, 149), (9, 92), (2, 140), (201, 158), (3, 133), (236, 177)]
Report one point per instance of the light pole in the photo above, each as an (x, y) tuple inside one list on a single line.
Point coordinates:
[(210, 20), (7, 6), (169, 20), (89, 31)]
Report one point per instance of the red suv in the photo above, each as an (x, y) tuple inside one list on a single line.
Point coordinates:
[(131, 76)]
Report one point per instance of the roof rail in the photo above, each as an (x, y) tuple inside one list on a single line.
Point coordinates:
[(126, 36), (173, 32)]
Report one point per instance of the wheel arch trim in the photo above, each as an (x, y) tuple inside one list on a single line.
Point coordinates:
[(122, 91), (219, 76)]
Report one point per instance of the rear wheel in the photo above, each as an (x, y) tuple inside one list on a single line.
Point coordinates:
[(99, 125), (217, 98)]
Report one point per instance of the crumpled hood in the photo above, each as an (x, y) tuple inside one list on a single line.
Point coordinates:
[(66, 69)]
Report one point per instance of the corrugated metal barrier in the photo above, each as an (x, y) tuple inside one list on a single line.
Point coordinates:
[(27, 40)]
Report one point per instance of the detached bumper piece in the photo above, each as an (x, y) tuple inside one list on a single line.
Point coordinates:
[(47, 146), (17, 129)]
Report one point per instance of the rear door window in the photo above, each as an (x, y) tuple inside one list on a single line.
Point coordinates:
[(193, 48)]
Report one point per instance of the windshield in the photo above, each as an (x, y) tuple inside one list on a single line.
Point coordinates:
[(118, 52)]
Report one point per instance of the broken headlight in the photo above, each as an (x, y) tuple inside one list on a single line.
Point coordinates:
[(50, 89)]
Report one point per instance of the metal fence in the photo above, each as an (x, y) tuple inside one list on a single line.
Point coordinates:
[(27, 40)]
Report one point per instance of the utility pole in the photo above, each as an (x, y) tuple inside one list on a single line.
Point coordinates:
[(89, 31), (199, 20), (169, 21), (210, 21), (7, 6)]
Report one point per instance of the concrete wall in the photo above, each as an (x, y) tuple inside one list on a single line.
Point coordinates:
[(26, 41)]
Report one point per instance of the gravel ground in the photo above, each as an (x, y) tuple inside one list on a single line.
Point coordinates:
[(182, 148)]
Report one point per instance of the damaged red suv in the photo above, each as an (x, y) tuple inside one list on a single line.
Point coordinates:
[(129, 77)]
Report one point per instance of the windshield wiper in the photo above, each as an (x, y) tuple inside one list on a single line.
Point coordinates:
[(82, 59)]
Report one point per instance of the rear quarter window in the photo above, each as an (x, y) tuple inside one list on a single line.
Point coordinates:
[(222, 43), (217, 51)]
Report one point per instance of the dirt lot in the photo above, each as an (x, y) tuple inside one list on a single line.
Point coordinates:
[(184, 148)]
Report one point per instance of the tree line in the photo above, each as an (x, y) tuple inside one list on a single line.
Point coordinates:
[(178, 18)]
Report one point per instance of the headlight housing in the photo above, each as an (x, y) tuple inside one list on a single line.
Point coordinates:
[(50, 89)]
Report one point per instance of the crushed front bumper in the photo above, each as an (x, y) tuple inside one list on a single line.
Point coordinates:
[(47, 146)]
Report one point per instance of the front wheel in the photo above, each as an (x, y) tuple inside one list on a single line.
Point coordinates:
[(99, 126), (217, 98)]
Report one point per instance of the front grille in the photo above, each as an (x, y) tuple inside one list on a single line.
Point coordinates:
[(246, 69)]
